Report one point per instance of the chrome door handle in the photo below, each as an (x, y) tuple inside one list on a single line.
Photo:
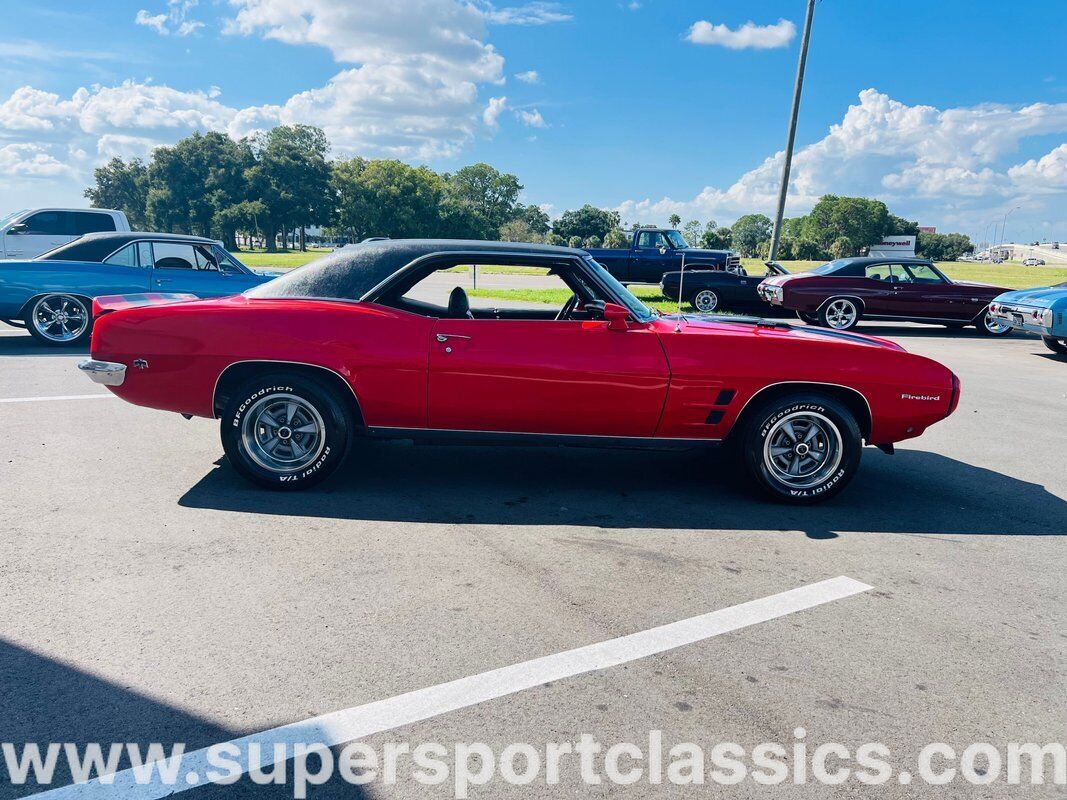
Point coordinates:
[(444, 337)]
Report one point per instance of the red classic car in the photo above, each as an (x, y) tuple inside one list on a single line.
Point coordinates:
[(839, 294), (382, 340)]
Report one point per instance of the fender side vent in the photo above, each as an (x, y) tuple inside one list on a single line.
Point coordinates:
[(714, 417), (725, 397)]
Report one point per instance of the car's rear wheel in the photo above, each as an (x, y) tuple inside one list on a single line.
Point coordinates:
[(286, 432), (802, 448), (840, 313), (988, 325), (705, 301), (1055, 345), (59, 320)]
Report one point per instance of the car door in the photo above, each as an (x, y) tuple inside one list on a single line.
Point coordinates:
[(545, 376), (38, 233), (652, 257), (189, 267), (934, 296)]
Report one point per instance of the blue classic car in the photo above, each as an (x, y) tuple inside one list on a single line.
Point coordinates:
[(51, 296), (1042, 311)]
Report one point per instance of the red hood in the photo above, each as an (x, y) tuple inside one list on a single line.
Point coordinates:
[(753, 326)]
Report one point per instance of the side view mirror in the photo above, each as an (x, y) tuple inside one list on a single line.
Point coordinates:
[(17, 228), (663, 251), (616, 316)]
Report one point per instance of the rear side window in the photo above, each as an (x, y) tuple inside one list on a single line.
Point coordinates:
[(126, 257), (48, 223), (90, 222)]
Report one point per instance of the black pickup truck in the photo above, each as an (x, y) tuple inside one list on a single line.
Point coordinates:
[(655, 251)]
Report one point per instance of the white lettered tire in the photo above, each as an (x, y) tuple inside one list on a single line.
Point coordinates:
[(286, 432), (802, 448)]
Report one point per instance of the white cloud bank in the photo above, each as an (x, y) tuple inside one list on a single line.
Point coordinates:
[(946, 166), (748, 36), (174, 20)]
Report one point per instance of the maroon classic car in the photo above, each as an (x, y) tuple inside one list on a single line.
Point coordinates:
[(837, 295)]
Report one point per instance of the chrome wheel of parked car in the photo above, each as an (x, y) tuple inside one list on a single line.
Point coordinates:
[(705, 301), (802, 449), (1055, 345), (991, 326), (286, 431), (283, 433), (59, 319), (840, 314)]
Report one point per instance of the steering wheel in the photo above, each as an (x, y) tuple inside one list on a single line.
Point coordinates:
[(568, 308)]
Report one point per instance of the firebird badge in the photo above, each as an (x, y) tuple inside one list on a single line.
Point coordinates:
[(906, 396), (140, 363)]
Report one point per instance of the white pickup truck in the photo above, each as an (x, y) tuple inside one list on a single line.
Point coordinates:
[(28, 233)]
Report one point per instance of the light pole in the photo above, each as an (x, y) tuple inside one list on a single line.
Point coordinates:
[(1004, 224), (797, 89)]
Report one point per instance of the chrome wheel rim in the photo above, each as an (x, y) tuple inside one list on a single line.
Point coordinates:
[(803, 449), (60, 318), (841, 314), (283, 433), (706, 301), (994, 325)]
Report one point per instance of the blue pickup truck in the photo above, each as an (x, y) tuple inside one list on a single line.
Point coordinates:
[(655, 251)]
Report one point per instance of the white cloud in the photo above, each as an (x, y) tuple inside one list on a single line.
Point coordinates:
[(949, 165), (31, 161), (531, 119), (749, 35), (174, 20), (491, 115), (536, 13), (530, 76)]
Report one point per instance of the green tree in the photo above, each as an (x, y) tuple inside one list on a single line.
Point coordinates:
[(555, 239), (943, 246), (591, 241), (616, 239), (842, 247), (674, 220), (859, 220), (534, 217), (480, 199), (519, 230), (388, 198), (585, 222), (574, 241), (122, 186), (692, 233), (715, 238), (748, 232)]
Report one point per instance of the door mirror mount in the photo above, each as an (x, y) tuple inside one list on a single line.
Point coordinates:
[(17, 229), (616, 316)]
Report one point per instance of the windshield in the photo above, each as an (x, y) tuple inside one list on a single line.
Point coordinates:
[(226, 259), (826, 269), (641, 312), (5, 220), (677, 241)]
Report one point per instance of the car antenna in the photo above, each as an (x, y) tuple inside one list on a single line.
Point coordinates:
[(681, 285)]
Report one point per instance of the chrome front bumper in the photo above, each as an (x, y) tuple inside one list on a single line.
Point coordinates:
[(106, 372)]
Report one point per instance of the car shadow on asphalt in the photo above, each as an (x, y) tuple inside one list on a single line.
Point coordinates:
[(16, 342), (912, 492), (45, 700)]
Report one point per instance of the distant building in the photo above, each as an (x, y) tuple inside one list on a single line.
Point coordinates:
[(926, 229)]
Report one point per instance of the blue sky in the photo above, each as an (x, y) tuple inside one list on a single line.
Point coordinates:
[(953, 112)]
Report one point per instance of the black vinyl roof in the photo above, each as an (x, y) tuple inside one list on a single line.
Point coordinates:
[(95, 247), (351, 272)]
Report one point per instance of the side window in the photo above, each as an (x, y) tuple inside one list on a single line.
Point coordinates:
[(205, 259), (880, 272), (126, 257), (174, 255), (90, 222), (47, 223), (646, 239), (924, 273), (144, 254)]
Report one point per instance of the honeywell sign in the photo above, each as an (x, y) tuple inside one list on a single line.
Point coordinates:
[(894, 246)]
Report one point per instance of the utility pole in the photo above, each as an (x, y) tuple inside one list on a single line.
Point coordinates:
[(797, 89)]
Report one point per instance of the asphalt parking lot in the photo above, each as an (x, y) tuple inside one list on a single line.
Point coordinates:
[(149, 594)]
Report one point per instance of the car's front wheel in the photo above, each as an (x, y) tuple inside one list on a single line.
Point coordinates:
[(59, 320), (705, 301), (1055, 345), (802, 448), (286, 432), (840, 313), (988, 325)]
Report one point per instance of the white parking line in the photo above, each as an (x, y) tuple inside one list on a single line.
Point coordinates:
[(383, 715), (44, 398)]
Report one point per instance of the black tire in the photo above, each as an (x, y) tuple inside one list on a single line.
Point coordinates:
[(706, 301), (810, 319), (836, 434), (840, 313), (955, 326), (247, 438), (987, 326), (1055, 345), (59, 320)]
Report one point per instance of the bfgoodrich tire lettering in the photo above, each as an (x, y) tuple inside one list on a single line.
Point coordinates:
[(802, 448), (286, 432)]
